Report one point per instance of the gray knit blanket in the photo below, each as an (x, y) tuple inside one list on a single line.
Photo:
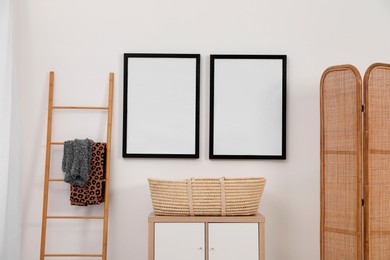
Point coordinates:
[(76, 161)]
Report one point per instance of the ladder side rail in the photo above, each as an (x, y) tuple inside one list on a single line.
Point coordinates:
[(108, 166), (47, 166)]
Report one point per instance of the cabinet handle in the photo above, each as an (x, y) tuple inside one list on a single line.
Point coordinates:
[(200, 248), (212, 249)]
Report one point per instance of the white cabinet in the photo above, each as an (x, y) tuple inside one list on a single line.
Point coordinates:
[(206, 238)]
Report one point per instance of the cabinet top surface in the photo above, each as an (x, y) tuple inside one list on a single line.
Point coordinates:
[(254, 218)]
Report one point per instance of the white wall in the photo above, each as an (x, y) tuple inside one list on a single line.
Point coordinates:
[(82, 41)]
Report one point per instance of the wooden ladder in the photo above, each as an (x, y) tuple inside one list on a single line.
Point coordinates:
[(47, 180)]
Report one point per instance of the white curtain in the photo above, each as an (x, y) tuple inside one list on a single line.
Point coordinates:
[(10, 228)]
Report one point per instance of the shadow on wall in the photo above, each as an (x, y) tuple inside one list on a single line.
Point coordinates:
[(128, 222), (276, 227)]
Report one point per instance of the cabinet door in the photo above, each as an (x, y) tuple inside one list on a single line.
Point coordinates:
[(233, 241), (179, 241)]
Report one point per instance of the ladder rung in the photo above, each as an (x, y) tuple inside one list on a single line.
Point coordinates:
[(61, 179), (55, 179), (57, 143), (77, 217), (78, 107), (71, 255)]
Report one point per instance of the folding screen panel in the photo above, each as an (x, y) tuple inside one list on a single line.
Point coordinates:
[(377, 162), (341, 177)]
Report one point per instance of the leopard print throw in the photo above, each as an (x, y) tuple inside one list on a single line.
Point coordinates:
[(93, 191)]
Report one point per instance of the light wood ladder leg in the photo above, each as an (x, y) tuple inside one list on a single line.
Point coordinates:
[(47, 166), (108, 164)]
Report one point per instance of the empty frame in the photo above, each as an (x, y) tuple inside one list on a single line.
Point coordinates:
[(161, 105), (248, 107)]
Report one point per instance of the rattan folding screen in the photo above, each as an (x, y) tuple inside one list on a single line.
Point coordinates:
[(377, 162), (346, 156), (341, 177)]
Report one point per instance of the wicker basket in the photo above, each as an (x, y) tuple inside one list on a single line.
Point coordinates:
[(206, 197)]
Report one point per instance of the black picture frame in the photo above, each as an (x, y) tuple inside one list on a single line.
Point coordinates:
[(161, 105), (248, 106)]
